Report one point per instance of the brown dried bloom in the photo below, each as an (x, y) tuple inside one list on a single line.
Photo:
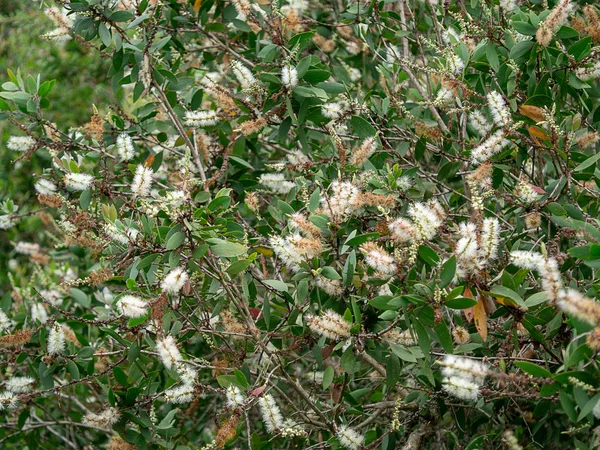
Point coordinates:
[(94, 127), (593, 26), (97, 277), (157, 308), (326, 45), (370, 199), (556, 19), (18, 338), (587, 139), (231, 324), (593, 339), (424, 130), (533, 220), (50, 200), (461, 335), (227, 431), (40, 258), (252, 202), (305, 226), (482, 175), (253, 126), (116, 443)]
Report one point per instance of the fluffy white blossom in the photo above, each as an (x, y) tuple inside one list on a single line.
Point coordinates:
[(427, 218), (8, 400), (180, 394), (276, 183), (342, 201), (27, 248), (104, 419), (45, 187), (332, 287), (480, 123), (455, 64), (379, 259), (243, 75), (132, 306), (329, 324), (488, 148), (78, 181), (6, 222), (525, 193), (168, 352), (52, 296), (490, 238), (289, 77), (200, 118), (332, 110), (39, 313), (19, 385), (588, 73), (235, 397), (577, 305), (121, 236), (142, 181), (500, 112), (349, 438), (270, 412), (508, 5), (175, 280), (463, 377), (286, 251), (5, 323), (125, 147), (56, 340), (20, 143)]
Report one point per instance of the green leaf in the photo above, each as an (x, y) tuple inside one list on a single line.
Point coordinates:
[(330, 273), (238, 266), (361, 239), (328, 375), (80, 297), (461, 303), (175, 240), (448, 272), (393, 369), (402, 353), (592, 160), (73, 369), (428, 255), (361, 127), (226, 249), (277, 285), (533, 369)]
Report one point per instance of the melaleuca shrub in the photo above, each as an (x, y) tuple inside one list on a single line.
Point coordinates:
[(294, 224)]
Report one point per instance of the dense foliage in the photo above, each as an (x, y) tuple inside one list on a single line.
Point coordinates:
[(299, 224)]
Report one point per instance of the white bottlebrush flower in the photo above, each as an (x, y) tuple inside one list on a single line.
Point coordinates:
[(444, 97), (8, 400), (5, 322), (78, 181), (349, 438), (378, 259), (508, 5), (551, 280), (490, 238), (243, 75), (270, 413), (588, 73), (186, 373), (276, 183), (297, 157), (20, 143), (527, 260), (455, 64), (463, 377), (329, 324), (19, 385), (480, 123), (180, 394), (201, 118), (6, 222), (342, 201), (52, 296), (332, 110), (402, 231), (286, 251), (45, 187), (427, 218), (235, 397), (27, 248), (577, 305), (56, 340), (104, 419), (461, 388), (132, 306), (168, 352), (142, 181), (119, 235), (39, 313), (500, 111), (289, 77), (332, 287), (242, 8), (397, 336), (525, 193), (175, 280), (125, 147), (488, 148), (467, 251)]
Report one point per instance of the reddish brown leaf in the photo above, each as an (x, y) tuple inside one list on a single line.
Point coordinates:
[(469, 311), (533, 112), (197, 5), (480, 318), (256, 392)]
